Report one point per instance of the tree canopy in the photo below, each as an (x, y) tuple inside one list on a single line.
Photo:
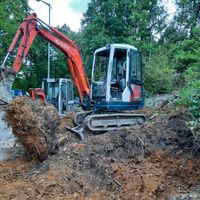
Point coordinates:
[(11, 15)]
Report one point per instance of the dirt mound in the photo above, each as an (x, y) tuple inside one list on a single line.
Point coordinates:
[(33, 123), (79, 172), (154, 162)]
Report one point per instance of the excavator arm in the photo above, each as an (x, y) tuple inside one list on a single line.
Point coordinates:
[(28, 30)]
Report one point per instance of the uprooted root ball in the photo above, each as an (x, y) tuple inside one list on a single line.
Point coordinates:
[(33, 123)]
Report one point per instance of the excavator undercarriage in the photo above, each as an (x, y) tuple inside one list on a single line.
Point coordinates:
[(105, 121)]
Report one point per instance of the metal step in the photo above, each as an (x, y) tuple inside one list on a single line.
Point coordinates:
[(116, 121)]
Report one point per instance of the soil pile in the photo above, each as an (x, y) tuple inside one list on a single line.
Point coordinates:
[(154, 162), (33, 123)]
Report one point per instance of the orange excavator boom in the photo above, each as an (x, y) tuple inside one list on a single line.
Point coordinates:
[(33, 26)]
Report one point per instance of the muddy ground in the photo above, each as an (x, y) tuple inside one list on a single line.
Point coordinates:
[(159, 160)]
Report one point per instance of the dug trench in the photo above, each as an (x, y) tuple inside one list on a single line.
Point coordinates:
[(156, 161)]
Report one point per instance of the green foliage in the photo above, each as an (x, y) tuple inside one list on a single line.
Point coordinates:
[(158, 74), (187, 18), (133, 22), (190, 97), (192, 73), (190, 93), (187, 54), (11, 15)]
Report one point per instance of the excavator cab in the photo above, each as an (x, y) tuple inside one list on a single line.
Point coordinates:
[(117, 78)]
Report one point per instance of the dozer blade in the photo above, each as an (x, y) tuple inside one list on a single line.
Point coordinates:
[(79, 130), (7, 77)]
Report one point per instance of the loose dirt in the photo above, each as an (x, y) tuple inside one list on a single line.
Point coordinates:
[(156, 161)]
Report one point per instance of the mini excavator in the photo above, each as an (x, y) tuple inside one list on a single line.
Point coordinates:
[(116, 87)]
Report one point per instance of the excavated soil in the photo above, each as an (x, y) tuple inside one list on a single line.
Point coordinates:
[(156, 161)]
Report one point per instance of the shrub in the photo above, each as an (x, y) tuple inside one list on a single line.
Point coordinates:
[(158, 74), (192, 73), (190, 97)]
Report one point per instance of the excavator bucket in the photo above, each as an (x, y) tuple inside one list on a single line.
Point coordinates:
[(7, 77)]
